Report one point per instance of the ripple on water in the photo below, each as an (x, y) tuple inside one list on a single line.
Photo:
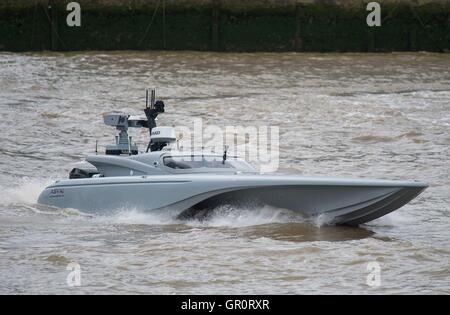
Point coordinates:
[(336, 117)]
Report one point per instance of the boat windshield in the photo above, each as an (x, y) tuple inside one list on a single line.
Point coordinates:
[(198, 161)]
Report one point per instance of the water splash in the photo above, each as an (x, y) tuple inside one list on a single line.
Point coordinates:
[(222, 216), (230, 216), (23, 195), (139, 217), (322, 220), (25, 191)]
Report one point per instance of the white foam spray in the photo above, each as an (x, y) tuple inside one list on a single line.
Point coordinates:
[(22, 191)]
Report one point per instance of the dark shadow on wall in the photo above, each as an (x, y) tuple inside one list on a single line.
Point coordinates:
[(214, 26)]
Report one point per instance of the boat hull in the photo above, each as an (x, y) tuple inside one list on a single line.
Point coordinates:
[(342, 201)]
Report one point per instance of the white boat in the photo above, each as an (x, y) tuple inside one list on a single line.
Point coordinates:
[(169, 180)]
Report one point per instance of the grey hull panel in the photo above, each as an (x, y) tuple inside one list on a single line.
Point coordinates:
[(344, 201), (380, 208), (313, 202)]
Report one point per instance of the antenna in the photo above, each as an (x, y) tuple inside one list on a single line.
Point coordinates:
[(224, 158), (152, 101), (151, 112), (146, 99), (96, 147)]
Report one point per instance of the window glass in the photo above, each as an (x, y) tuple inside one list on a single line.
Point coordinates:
[(194, 162)]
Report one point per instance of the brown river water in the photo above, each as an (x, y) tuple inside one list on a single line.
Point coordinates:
[(353, 115)]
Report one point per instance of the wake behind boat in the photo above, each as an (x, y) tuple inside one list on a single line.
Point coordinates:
[(169, 180)]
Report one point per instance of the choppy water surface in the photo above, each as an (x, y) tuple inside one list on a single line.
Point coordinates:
[(372, 116)]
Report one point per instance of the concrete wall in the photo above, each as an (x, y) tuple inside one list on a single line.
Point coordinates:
[(225, 25)]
